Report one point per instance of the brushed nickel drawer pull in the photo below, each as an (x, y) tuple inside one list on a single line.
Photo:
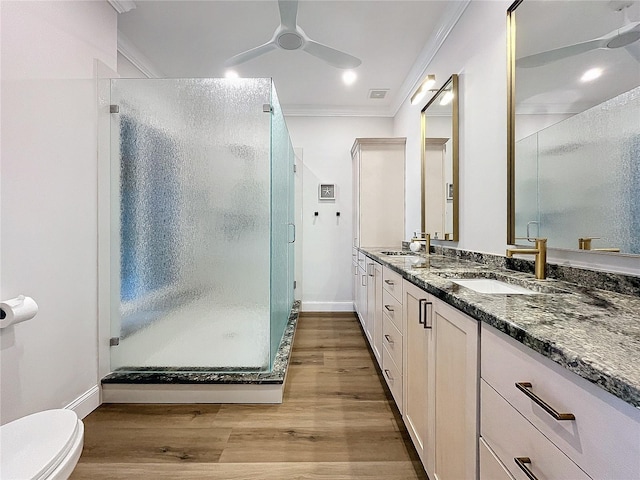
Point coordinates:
[(388, 307), (387, 373), (389, 282), (364, 280), (388, 338), (524, 387), (522, 463)]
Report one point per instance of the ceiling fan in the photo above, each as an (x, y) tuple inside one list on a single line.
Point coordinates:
[(625, 36), (289, 36), (622, 37)]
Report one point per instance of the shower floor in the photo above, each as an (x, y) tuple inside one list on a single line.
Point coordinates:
[(201, 335), (161, 384)]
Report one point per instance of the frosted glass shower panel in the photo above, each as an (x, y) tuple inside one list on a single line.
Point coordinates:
[(282, 227), (193, 169), (526, 185), (588, 188)]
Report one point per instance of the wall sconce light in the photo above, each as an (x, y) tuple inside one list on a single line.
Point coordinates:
[(446, 98), (423, 89)]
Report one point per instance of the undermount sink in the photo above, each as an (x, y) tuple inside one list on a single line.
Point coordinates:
[(488, 285), (396, 252)]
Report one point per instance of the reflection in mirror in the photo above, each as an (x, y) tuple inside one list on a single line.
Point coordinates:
[(574, 133), (440, 163)]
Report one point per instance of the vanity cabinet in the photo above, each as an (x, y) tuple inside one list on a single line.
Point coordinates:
[(378, 166), (601, 441), (373, 324), (360, 288), (418, 396), (441, 384), (392, 334)]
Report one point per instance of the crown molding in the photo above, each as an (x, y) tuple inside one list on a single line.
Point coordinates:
[(122, 6), (135, 56), (419, 69), (334, 111)]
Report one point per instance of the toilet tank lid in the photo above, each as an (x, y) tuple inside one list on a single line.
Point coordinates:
[(34, 445)]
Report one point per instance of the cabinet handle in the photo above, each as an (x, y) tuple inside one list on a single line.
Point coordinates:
[(389, 282), (422, 314), (522, 463), (524, 388), (364, 280), (426, 315), (387, 373), (389, 339), (421, 303), (388, 307)]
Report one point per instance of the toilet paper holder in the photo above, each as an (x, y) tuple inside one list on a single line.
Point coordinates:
[(16, 310)]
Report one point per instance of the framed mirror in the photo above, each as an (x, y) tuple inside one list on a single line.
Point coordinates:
[(440, 163), (574, 124)]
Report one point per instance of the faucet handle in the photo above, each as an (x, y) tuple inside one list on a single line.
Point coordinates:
[(584, 243)]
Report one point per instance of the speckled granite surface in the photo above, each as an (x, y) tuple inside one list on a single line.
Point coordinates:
[(185, 375), (592, 332)]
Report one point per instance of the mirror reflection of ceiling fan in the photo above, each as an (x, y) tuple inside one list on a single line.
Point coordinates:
[(289, 36), (626, 37)]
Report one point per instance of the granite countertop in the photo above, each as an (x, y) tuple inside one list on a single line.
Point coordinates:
[(591, 332)]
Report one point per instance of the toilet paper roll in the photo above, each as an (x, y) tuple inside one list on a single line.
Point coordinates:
[(17, 310)]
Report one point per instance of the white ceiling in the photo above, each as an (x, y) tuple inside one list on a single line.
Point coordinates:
[(556, 86), (395, 39)]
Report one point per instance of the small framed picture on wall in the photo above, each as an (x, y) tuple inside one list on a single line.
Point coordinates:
[(327, 191)]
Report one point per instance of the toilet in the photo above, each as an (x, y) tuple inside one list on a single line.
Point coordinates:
[(41, 446)]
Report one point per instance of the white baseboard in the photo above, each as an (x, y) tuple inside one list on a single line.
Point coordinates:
[(217, 393), (86, 403), (327, 306)]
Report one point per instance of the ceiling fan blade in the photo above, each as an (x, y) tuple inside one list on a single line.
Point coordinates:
[(330, 55), (250, 54), (543, 58), (288, 13), (634, 50)]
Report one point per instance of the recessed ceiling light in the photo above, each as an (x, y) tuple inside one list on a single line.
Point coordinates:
[(231, 74), (349, 77), (591, 74)]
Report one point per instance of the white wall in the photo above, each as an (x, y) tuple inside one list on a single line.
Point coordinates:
[(326, 143), (48, 246), (476, 50)]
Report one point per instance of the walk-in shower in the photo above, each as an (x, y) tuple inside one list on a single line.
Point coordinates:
[(202, 229)]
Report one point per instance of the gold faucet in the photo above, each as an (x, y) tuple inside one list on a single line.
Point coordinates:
[(584, 243), (540, 251), (426, 239)]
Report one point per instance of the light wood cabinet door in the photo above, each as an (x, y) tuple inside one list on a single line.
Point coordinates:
[(362, 295), (371, 300), (416, 357), (378, 191), (456, 375), (377, 315)]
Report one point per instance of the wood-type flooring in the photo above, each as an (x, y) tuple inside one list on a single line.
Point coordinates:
[(337, 422)]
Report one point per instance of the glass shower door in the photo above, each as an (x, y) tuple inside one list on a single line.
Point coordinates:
[(191, 224), (282, 225)]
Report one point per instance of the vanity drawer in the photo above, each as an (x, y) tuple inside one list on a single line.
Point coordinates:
[(392, 340), (362, 259), (511, 436), (393, 375), (392, 283), (604, 438), (491, 468), (392, 308)]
